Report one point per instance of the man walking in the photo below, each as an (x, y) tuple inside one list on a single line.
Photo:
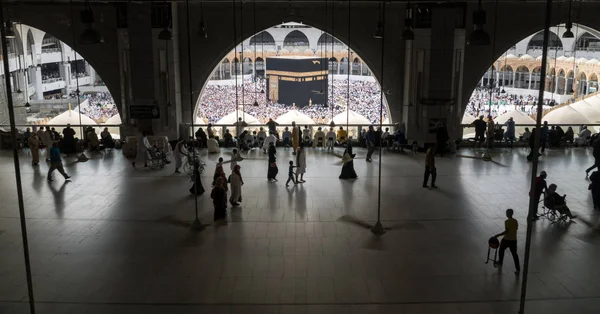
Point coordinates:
[(370, 141), (509, 240), (430, 167), (56, 163)]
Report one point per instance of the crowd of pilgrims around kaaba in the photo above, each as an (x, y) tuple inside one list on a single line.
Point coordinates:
[(479, 103), (216, 101)]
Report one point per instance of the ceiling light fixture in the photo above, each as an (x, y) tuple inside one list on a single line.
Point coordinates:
[(165, 33), (379, 27), (9, 32), (568, 33), (408, 33), (203, 32), (479, 37), (89, 36)]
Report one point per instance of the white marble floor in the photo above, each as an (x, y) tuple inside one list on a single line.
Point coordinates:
[(118, 240)]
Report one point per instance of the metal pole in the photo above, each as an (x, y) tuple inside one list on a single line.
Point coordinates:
[(348, 69), (378, 227), (536, 147), (487, 155), (82, 157), (13, 131), (196, 224)]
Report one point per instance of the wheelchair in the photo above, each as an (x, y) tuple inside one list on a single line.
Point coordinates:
[(550, 211)]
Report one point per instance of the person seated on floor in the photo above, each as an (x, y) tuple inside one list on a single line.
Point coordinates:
[(330, 136), (319, 139), (212, 145), (286, 137), (107, 139), (553, 139), (569, 135), (399, 140), (201, 137), (583, 136), (526, 135), (558, 202), (228, 138), (306, 135), (92, 139), (342, 136), (261, 136)]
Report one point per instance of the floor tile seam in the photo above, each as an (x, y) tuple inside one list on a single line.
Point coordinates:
[(303, 303)]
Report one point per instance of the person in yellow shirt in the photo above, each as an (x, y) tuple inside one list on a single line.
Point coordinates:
[(509, 240), (342, 135)]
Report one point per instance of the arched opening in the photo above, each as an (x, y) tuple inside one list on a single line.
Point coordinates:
[(248, 66), (225, 69), (588, 42), (537, 42), (522, 77), (260, 67), (582, 84), (344, 66), (333, 65), (593, 83), (560, 82), (47, 73), (296, 40), (536, 78), (264, 40), (356, 67), (258, 95), (569, 88), (487, 78), (326, 39), (550, 81), (506, 76), (236, 67)]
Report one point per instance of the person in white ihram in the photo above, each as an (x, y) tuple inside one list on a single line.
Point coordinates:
[(270, 139), (180, 153), (143, 145), (331, 136), (47, 141)]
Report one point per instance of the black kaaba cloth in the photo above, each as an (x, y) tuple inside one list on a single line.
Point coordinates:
[(297, 80)]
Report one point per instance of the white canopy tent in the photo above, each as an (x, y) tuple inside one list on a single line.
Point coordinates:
[(72, 117), (567, 115), (115, 132), (233, 118), (518, 116), (350, 117), (295, 116)]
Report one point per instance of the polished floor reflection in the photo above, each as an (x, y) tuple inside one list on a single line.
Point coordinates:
[(118, 240)]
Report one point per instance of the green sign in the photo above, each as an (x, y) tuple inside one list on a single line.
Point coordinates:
[(144, 112)]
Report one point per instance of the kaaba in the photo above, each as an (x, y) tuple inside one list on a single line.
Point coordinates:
[(300, 81)]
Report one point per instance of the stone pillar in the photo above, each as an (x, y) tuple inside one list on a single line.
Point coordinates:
[(36, 74), (498, 79), (65, 73), (91, 73), (141, 59), (514, 78), (530, 78), (566, 85), (587, 87), (556, 85), (21, 80)]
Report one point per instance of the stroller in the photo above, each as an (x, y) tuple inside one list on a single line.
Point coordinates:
[(157, 158)]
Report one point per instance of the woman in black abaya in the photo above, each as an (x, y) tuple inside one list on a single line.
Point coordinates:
[(348, 166)]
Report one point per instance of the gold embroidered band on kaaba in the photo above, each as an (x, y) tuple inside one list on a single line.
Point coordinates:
[(283, 74)]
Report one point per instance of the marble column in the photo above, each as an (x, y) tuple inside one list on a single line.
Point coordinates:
[(530, 78), (36, 74), (514, 78)]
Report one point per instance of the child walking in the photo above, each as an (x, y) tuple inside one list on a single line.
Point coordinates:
[(291, 174)]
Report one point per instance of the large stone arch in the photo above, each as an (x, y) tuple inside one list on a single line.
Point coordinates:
[(478, 59), (56, 20), (207, 54)]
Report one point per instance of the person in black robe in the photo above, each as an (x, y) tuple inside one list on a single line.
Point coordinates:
[(595, 188), (348, 167), (273, 170), (197, 189), (219, 197), (531, 144), (68, 140)]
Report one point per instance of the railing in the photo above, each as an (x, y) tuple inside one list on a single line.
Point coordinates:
[(219, 129), (469, 130)]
